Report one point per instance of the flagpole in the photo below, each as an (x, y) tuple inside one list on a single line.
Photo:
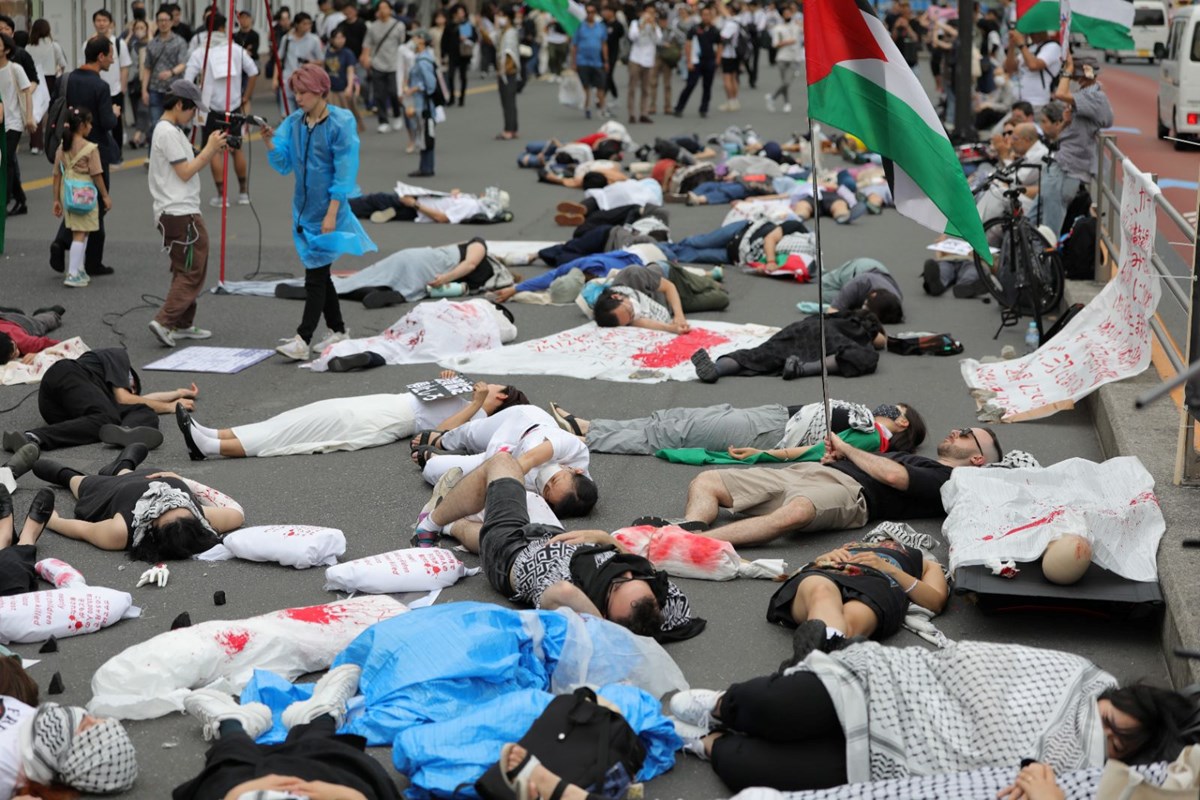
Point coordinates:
[(814, 133)]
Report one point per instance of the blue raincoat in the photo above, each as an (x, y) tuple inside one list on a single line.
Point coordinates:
[(325, 160), (448, 685)]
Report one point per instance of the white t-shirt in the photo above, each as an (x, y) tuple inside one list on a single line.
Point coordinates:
[(427, 416), (12, 712), (171, 194), (456, 208), (219, 63), (788, 32), (644, 44), (1035, 87), (13, 83), (112, 75), (729, 36)]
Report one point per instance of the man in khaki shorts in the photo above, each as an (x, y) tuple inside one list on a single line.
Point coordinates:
[(848, 489)]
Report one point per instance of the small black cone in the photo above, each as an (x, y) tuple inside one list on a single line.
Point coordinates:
[(51, 646), (218, 598), (56, 684), (182, 621)]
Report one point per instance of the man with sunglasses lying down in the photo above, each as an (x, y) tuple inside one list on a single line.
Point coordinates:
[(848, 489), (543, 566)]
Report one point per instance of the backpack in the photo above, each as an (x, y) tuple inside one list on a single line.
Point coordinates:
[(1079, 250), (685, 179), (56, 120), (744, 47), (584, 742), (938, 344)]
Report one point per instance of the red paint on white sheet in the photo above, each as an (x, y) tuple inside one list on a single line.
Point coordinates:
[(233, 641), (679, 349)]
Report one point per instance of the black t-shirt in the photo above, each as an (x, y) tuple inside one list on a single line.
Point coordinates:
[(102, 497), (26, 62), (110, 366), (249, 41), (616, 32), (789, 226), (708, 39), (482, 273), (184, 30), (355, 33), (922, 498)]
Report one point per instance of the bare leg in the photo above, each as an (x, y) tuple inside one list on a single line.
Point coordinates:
[(819, 598), (794, 515), (709, 741), (803, 209), (73, 484), (542, 781), (6, 531), (225, 433), (232, 448), (706, 496), (470, 494), (466, 532)]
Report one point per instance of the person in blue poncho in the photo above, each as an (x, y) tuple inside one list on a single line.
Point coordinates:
[(319, 143)]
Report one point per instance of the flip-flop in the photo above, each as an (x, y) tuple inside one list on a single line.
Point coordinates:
[(518, 780), (567, 422), (652, 521)]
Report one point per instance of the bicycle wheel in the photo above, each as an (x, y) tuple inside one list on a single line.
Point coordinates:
[(1000, 278), (1047, 269)]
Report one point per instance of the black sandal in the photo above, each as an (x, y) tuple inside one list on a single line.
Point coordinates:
[(568, 422), (423, 444)]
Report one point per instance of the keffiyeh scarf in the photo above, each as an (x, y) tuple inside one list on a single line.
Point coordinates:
[(157, 500), (100, 760), (807, 426)]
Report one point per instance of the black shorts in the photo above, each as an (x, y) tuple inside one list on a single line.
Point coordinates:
[(730, 66), (592, 77), (889, 602), (210, 125), (506, 531), (17, 575)]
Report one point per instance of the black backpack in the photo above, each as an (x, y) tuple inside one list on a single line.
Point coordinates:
[(56, 120), (585, 743), (938, 344), (744, 48), (1079, 250)]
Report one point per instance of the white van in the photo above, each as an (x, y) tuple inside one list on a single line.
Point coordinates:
[(1179, 79), (1149, 33)]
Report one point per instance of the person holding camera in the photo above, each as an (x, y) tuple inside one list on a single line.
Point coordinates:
[(220, 62), (174, 178)]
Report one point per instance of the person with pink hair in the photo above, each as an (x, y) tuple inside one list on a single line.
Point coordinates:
[(319, 143)]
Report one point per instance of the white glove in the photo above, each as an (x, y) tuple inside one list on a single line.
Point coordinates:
[(157, 574)]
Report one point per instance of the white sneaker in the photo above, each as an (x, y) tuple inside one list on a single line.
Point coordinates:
[(216, 202), (771, 103), (331, 339), (695, 707), (191, 333), (162, 333), (398, 124), (383, 127), (79, 281), (383, 215), (440, 489), (243, 198), (295, 348), (723, 106), (330, 696), (787, 108), (213, 707), (693, 738), (735, 105)]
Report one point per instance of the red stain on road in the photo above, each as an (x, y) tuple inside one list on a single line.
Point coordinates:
[(679, 349)]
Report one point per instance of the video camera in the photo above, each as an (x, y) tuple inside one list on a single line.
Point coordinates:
[(232, 124)]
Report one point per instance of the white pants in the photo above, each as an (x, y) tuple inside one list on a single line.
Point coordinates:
[(342, 423)]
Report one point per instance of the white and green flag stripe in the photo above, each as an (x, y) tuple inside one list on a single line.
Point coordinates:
[(1104, 23)]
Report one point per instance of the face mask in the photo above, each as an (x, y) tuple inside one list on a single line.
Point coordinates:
[(544, 474), (887, 410)]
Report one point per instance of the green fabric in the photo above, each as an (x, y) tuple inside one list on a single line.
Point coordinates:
[(560, 10), (1102, 34), (698, 456), (1039, 17)]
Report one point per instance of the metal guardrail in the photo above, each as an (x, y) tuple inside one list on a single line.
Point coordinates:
[(1175, 326)]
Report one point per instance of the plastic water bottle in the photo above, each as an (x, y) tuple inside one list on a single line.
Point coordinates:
[(454, 289), (1032, 339)]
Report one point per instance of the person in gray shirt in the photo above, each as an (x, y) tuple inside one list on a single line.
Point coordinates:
[(380, 56), (166, 59), (301, 46), (1091, 112)]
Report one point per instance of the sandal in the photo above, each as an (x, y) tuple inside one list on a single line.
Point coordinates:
[(566, 421), (653, 522), (518, 780), (421, 442)]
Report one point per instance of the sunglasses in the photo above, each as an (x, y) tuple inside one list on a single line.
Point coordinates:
[(1008, 133), (965, 432)]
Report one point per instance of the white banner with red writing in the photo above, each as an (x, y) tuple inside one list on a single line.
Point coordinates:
[(1107, 341), (624, 355)]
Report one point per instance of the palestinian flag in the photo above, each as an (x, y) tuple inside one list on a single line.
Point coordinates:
[(858, 82), (1104, 23), (567, 13)]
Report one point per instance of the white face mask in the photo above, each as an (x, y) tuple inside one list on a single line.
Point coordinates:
[(501, 22), (544, 474)]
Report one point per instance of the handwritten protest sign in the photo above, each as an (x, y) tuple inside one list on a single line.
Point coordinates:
[(439, 388), (1108, 341)]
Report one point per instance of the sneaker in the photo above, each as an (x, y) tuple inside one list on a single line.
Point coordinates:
[(695, 707), (78, 281), (723, 106), (440, 490), (383, 215), (787, 108), (384, 128), (735, 105), (332, 338), (243, 198), (23, 459), (808, 636), (604, 112), (398, 124), (58, 257), (217, 202), (693, 738), (587, 113), (14, 440), (330, 695), (931, 278), (294, 348), (213, 707), (191, 333), (718, 274), (771, 103), (970, 289), (129, 458), (161, 332)]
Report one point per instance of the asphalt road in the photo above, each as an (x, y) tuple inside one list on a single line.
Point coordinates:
[(374, 495)]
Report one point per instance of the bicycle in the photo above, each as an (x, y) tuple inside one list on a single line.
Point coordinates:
[(1026, 275)]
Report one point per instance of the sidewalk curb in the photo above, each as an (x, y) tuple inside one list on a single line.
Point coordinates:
[(1150, 434)]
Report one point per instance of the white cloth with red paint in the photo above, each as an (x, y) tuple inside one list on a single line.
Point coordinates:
[(151, 679), (414, 569), (71, 609), (624, 355), (17, 371), (1000, 514), (299, 546), (431, 332), (683, 554)]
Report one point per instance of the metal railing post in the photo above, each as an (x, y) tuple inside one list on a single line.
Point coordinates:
[(1187, 470), (1104, 207)]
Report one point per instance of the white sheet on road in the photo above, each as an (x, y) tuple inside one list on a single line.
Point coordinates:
[(624, 355), (1014, 513)]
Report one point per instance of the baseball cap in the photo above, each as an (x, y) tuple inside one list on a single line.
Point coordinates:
[(189, 91)]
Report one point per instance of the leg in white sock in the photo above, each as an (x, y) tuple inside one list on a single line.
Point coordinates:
[(209, 445), (78, 248)]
